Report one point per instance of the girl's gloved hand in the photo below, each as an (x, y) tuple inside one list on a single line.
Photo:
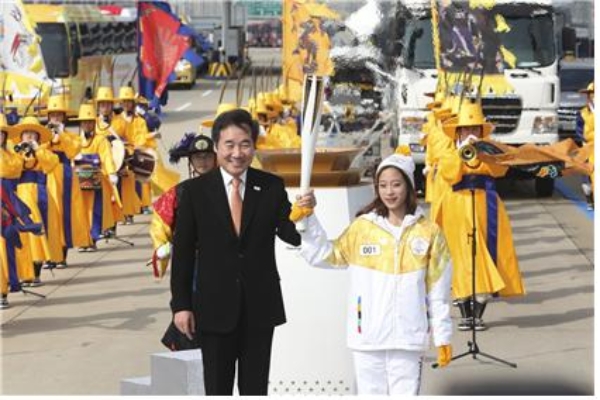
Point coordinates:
[(444, 355), (299, 213)]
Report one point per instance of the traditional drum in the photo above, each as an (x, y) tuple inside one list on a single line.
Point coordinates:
[(119, 154), (89, 172), (142, 163)]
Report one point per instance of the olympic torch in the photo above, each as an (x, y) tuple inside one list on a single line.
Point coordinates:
[(312, 104)]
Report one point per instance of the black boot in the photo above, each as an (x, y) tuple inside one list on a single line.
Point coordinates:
[(466, 314), (478, 311), (37, 270)]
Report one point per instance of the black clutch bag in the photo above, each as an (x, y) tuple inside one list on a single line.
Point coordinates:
[(174, 340)]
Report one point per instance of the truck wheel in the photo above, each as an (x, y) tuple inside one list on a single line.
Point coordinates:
[(544, 187)]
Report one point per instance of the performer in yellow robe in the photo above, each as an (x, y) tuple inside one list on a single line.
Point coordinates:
[(134, 126), (113, 129), (32, 188), (428, 141), (496, 266), (162, 178), (15, 253), (277, 135), (437, 145), (96, 151), (68, 225), (585, 132)]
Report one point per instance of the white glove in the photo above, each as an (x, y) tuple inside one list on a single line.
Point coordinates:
[(587, 189), (262, 131), (426, 170), (468, 140), (164, 251), (78, 157), (113, 178), (140, 110), (56, 131), (34, 145)]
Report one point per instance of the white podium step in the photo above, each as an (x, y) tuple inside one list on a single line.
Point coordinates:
[(136, 386), (171, 373), (177, 373)]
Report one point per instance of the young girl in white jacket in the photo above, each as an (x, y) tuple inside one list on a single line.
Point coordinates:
[(400, 271)]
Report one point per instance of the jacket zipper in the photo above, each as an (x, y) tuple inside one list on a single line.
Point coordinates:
[(396, 285)]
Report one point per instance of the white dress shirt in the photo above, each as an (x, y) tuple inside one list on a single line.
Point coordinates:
[(227, 181)]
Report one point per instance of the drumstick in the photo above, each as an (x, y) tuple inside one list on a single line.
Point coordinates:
[(116, 196)]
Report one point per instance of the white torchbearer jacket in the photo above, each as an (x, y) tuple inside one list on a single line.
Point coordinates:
[(399, 289)]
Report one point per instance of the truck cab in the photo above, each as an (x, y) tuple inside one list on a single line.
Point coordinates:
[(523, 107)]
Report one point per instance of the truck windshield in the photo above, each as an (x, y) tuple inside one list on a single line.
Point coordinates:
[(531, 40), (55, 49), (418, 52)]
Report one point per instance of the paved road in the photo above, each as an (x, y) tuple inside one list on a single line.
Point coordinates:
[(103, 316)]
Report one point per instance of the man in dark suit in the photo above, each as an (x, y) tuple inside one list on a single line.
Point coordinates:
[(226, 224)]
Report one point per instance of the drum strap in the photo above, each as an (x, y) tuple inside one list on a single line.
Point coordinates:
[(487, 184), (92, 159), (67, 195), (39, 178)]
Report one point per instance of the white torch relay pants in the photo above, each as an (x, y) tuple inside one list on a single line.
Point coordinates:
[(388, 372)]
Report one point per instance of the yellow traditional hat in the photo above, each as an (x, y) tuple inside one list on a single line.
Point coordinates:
[(223, 107), (87, 112), (271, 100), (126, 93), (448, 118), (30, 123), (471, 114), (442, 112), (261, 107), (104, 93), (275, 98), (251, 103), (4, 126), (282, 92), (588, 89), (57, 103)]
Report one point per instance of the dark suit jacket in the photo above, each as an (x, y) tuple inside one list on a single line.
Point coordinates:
[(232, 271)]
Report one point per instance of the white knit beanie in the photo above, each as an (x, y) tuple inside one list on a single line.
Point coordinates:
[(403, 163)]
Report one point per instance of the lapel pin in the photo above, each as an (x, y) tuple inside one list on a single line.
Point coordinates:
[(257, 188)]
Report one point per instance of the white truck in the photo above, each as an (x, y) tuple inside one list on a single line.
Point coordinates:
[(527, 114)]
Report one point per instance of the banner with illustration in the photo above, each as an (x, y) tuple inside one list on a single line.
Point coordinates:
[(468, 45), (306, 43)]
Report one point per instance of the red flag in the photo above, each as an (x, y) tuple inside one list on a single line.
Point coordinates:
[(162, 45)]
